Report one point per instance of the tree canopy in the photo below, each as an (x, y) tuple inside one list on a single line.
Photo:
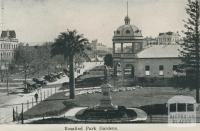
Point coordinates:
[(190, 47)]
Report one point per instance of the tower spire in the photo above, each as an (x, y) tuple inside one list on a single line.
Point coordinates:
[(127, 19), (127, 7), (2, 15)]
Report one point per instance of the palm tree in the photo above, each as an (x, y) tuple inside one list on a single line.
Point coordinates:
[(69, 44)]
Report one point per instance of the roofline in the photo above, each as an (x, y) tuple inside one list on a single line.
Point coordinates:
[(149, 58)]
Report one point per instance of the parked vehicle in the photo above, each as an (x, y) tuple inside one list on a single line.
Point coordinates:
[(65, 84), (50, 78), (40, 81), (31, 86), (58, 75)]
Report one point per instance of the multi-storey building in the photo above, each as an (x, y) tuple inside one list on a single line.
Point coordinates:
[(8, 43), (168, 38)]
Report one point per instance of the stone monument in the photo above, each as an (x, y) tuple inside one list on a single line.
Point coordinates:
[(105, 102)]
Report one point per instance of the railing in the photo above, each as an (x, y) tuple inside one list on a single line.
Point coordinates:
[(124, 55)]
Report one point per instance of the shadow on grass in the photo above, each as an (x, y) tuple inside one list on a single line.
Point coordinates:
[(52, 121), (52, 106), (85, 83), (155, 109)]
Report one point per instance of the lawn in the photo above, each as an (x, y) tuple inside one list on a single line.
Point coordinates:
[(136, 98), (51, 106), (140, 97)]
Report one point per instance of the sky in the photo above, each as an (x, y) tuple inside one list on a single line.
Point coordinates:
[(37, 21)]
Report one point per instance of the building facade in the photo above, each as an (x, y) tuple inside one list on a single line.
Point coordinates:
[(168, 38), (149, 41), (127, 42), (160, 60), (100, 49), (8, 43)]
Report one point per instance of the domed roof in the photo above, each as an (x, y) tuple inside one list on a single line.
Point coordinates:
[(127, 31)]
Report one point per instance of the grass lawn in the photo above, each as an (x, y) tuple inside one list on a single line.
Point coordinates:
[(137, 98), (51, 106)]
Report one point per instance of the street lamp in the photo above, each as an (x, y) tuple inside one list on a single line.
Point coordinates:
[(25, 75), (106, 111), (6, 65)]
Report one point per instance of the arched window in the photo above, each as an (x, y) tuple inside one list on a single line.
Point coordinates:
[(137, 31), (127, 31)]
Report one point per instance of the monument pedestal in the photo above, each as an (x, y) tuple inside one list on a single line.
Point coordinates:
[(105, 102)]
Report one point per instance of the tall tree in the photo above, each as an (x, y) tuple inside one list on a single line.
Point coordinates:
[(69, 44), (190, 46), (108, 60)]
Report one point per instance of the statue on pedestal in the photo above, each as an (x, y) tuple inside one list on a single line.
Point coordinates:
[(105, 102)]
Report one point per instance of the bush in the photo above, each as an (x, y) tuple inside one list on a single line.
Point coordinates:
[(155, 109), (70, 103)]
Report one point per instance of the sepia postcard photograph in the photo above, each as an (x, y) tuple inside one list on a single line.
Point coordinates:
[(99, 65)]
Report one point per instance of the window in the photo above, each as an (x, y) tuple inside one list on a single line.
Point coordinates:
[(181, 107), (147, 70), (190, 107), (118, 32), (175, 67), (137, 31), (161, 70), (172, 107), (127, 31)]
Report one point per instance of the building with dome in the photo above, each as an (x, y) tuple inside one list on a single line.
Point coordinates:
[(135, 61), (127, 39), (127, 42)]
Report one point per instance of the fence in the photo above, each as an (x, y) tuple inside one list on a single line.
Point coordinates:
[(9, 113)]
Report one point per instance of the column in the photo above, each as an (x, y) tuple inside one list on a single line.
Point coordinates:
[(141, 46), (133, 48), (121, 47), (113, 48), (115, 68), (122, 68)]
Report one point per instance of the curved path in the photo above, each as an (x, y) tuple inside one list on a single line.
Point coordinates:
[(70, 114), (141, 115)]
